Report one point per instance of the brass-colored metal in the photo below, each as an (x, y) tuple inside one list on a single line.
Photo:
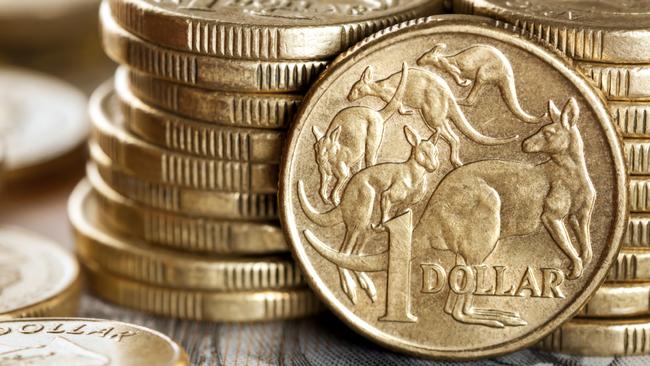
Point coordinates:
[(619, 300), (637, 153), (605, 338), (443, 246), (253, 76), (38, 107), (37, 276), (637, 234), (178, 231), (203, 305), (193, 137), (272, 111), (259, 207), (313, 29), (632, 265), (632, 118), (639, 194), (155, 164), (619, 82), (604, 31), (79, 341)]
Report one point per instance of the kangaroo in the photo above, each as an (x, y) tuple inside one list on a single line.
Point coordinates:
[(390, 187), (480, 65), (497, 199), (429, 94), (354, 136)]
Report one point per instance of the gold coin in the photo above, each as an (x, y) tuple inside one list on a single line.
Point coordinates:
[(604, 338), (223, 108), (203, 305), (142, 262), (43, 121), (618, 300), (197, 138), (602, 31), (632, 118), (221, 205), (632, 264), (177, 231), (619, 82), (318, 29), (637, 153), (637, 234), (155, 164), (448, 247), (205, 71), (639, 194), (79, 341), (37, 277)]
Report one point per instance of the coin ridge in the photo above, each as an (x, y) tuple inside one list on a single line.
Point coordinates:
[(618, 301), (639, 194), (230, 39), (553, 58), (619, 81), (630, 266), (632, 118), (637, 234), (203, 305), (164, 166), (198, 138), (637, 153), (204, 71), (274, 111), (65, 303)]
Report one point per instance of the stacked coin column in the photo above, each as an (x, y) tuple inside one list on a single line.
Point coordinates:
[(608, 49)]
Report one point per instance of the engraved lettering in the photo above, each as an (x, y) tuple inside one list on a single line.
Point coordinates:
[(77, 330), (121, 335), (461, 279), (31, 328), (481, 278), (501, 289), (552, 280), (528, 283), (4, 331), (102, 332), (57, 329), (434, 278)]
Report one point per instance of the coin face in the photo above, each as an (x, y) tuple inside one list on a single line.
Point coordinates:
[(264, 29), (452, 190), (34, 272), (43, 120), (85, 342)]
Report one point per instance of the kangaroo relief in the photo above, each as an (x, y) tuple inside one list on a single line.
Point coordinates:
[(479, 66), (431, 96), (353, 138)]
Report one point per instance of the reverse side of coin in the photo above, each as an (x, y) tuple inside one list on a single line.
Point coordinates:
[(78, 341), (37, 276), (443, 243), (601, 31), (618, 301), (315, 29), (605, 338), (43, 120)]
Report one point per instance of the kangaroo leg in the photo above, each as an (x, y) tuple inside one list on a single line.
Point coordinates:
[(348, 283), (454, 144), (373, 142), (367, 284), (475, 92), (580, 225), (342, 174), (558, 231)]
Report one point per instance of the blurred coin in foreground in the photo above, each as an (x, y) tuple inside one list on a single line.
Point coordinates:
[(88, 342)]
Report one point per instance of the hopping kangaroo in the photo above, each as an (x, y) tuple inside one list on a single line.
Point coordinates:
[(352, 138), (480, 65), (387, 188), (497, 199), (431, 96)]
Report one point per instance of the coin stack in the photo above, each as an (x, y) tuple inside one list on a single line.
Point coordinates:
[(178, 216), (610, 45)]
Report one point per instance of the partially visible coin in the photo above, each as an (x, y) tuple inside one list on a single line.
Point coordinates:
[(224, 108), (78, 341), (606, 338), (203, 305), (255, 76), (618, 300), (178, 231), (632, 118), (632, 265), (602, 31), (315, 29), (637, 152), (156, 164), (45, 121), (197, 138), (618, 81), (37, 276), (140, 261), (637, 234), (640, 194)]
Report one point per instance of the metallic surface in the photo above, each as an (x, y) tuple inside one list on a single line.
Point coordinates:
[(619, 300)]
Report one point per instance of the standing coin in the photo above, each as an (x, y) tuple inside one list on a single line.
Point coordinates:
[(78, 341), (45, 121), (448, 245), (37, 277), (601, 31), (266, 30)]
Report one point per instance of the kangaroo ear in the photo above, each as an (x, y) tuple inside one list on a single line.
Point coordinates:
[(368, 75), (570, 113), (439, 47), (336, 133), (435, 137), (553, 111), (411, 136), (318, 134)]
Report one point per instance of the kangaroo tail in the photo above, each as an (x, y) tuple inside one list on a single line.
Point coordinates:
[(325, 219), (396, 101), (354, 262), (459, 119), (509, 92)]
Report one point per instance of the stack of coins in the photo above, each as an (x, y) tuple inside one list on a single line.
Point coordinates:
[(179, 214), (610, 44)]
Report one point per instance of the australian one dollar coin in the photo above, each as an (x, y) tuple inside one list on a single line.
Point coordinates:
[(452, 190)]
